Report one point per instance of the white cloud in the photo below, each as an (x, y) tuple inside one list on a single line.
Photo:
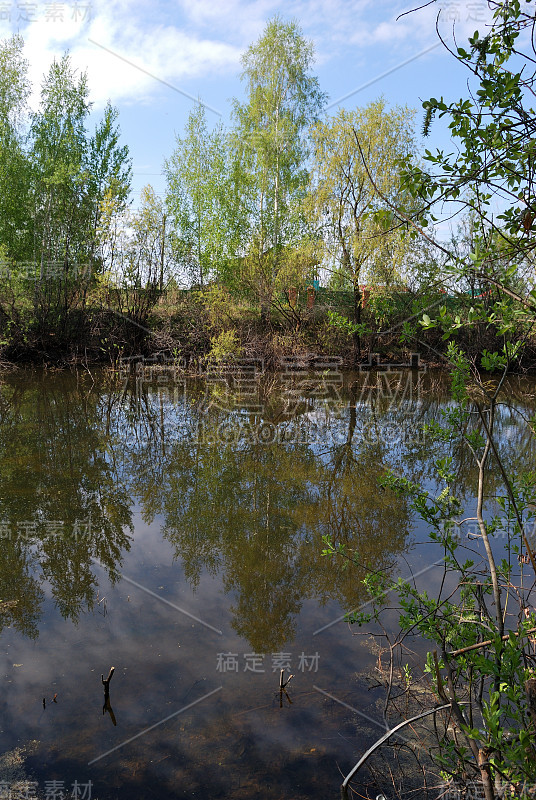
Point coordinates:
[(191, 40), (166, 51), (241, 21)]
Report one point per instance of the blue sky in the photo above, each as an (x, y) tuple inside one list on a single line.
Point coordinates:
[(149, 60)]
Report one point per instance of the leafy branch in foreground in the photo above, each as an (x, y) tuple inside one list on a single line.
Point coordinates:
[(481, 622)]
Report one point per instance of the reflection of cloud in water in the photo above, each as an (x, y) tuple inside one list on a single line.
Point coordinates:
[(154, 677)]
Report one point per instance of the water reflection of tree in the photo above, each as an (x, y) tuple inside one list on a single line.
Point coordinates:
[(514, 441), (60, 504), (253, 512), (257, 513), (352, 510)]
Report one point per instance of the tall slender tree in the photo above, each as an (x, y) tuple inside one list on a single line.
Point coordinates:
[(283, 99), (72, 172), (109, 171), (198, 199), (14, 172), (59, 146)]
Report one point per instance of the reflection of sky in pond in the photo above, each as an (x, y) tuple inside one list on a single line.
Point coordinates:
[(228, 531)]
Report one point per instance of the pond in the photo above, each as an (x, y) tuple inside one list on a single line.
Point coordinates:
[(173, 529)]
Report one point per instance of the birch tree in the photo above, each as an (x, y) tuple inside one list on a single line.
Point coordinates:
[(283, 98), (197, 199)]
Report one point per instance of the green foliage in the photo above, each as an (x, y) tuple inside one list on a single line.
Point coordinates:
[(383, 306), (341, 173), (14, 167), (260, 206), (200, 199), (53, 180), (218, 306), (345, 325), (460, 372), (271, 148), (224, 346), (488, 175)]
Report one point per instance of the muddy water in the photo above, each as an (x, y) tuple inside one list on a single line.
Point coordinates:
[(174, 530)]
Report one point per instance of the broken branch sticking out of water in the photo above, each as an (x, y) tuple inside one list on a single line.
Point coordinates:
[(107, 707), (282, 684), (106, 683)]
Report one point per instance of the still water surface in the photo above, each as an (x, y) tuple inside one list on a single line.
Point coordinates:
[(173, 529)]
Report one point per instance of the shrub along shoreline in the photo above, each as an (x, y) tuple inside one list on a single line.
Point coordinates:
[(208, 326)]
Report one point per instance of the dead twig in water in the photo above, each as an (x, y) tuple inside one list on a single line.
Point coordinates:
[(282, 684), (106, 683), (107, 707)]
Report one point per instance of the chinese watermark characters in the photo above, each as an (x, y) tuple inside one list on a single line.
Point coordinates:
[(22, 12), (260, 662), (51, 790), (40, 530)]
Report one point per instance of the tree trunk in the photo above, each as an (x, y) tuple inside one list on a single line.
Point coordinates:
[(357, 319), (162, 253), (265, 312)]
